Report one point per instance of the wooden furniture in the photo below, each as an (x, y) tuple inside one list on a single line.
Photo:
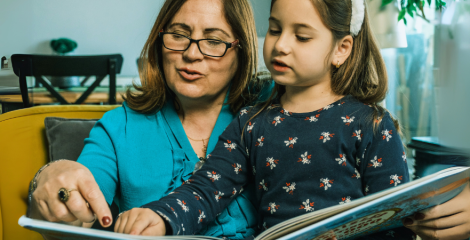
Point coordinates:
[(38, 66), (13, 102)]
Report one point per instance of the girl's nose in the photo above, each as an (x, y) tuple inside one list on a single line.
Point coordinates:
[(282, 45)]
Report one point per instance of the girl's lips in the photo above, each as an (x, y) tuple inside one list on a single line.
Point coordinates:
[(280, 67)]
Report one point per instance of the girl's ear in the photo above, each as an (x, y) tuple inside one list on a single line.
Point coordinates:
[(342, 50)]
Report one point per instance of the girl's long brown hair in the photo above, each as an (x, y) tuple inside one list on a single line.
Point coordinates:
[(363, 75), (153, 92)]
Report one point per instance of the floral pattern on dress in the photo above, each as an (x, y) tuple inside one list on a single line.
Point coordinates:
[(312, 118), (326, 136), (358, 134), (375, 162), (348, 120), (291, 142), (277, 120), (271, 162), (305, 158), (273, 207), (290, 187), (387, 134), (341, 160), (326, 183), (230, 146), (395, 179), (307, 206)]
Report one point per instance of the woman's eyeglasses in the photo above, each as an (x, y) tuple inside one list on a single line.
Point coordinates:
[(208, 47)]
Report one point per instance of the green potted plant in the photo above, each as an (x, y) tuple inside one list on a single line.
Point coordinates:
[(414, 8), (62, 47)]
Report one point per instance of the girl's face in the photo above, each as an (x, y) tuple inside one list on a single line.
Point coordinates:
[(189, 74), (297, 48)]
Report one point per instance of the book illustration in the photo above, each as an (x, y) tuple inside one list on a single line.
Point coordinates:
[(359, 225)]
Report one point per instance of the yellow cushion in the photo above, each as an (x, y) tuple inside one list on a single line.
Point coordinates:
[(23, 150)]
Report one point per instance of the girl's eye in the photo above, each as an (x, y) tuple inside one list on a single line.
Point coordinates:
[(303, 39), (274, 32)]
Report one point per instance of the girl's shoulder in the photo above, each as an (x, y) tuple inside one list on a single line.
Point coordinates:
[(369, 115)]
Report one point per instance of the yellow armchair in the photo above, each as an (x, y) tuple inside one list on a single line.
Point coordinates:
[(23, 150)]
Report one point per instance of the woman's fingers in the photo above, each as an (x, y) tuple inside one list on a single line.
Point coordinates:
[(457, 232), (456, 205), (92, 194), (79, 208), (446, 221)]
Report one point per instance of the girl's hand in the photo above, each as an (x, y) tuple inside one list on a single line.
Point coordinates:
[(86, 195), (450, 220), (140, 221)]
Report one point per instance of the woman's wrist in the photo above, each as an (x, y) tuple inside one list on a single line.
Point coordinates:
[(33, 186)]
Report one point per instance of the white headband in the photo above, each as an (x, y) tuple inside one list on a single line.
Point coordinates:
[(357, 16)]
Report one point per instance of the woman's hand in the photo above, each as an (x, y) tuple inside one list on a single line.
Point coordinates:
[(140, 221), (450, 220), (85, 200)]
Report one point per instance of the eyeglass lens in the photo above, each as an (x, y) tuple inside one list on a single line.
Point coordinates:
[(208, 46)]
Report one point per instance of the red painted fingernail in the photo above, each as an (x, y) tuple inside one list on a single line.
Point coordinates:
[(106, 220), (408, 221), (419, 216)]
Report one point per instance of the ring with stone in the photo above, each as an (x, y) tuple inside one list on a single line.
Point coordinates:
[(64, 194)]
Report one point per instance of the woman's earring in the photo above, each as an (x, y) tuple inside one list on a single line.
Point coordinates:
[(337, 65)]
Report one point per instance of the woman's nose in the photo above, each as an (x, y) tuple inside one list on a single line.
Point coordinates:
[(193, 53)]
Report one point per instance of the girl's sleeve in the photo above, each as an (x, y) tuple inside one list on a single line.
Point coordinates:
[(210, 190), (382, 158), (383, 165)]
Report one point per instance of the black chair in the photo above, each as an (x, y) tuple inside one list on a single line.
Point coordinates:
[(25, 65)]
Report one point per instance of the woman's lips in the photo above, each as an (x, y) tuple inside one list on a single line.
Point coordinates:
[(189, 74)]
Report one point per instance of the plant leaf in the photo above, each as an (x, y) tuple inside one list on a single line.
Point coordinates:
[(410, 11), (385, 2), (401, 15)]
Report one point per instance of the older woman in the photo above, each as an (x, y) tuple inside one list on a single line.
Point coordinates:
[(197, 63)]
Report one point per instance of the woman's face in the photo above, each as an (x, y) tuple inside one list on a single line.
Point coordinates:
[(190, 74)]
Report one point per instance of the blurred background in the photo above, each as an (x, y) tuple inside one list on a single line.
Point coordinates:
[(426, 58)]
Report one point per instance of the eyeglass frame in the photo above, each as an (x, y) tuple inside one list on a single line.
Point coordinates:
[(191, 41)]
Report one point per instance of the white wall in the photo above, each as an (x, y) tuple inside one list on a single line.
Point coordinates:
[(98, 26)]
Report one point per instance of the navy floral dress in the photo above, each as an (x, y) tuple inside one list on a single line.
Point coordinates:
[(298, 163)]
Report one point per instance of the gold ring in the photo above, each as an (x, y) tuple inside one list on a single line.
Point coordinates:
[(64, 194)]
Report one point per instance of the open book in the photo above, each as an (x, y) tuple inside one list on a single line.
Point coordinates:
[(378, 212)]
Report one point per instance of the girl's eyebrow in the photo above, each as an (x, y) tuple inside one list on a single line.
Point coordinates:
[(296, 25), (304, 25)]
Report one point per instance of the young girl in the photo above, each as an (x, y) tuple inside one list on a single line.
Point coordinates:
[(321, 140)]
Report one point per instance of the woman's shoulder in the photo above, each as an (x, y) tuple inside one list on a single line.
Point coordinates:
[(124, 116)]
